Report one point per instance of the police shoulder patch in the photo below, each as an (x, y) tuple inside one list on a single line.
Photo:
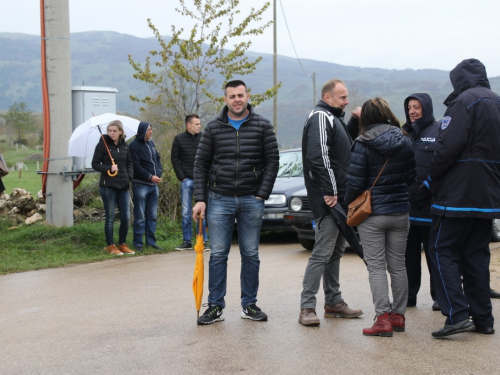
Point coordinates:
[(445, 122)]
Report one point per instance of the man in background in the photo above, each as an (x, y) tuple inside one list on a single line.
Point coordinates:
[(147, 175), (183, 153)]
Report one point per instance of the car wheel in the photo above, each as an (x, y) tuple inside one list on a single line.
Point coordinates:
[(307, 244), (495, 231)]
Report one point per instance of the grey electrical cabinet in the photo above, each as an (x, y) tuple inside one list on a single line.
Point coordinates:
[(88, 101)]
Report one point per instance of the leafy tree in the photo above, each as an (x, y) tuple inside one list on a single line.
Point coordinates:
[(182, 73), (20, 119)]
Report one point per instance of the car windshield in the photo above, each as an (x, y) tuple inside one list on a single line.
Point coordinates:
[(291, 164)]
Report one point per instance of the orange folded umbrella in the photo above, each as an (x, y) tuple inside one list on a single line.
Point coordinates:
[(199, 268)]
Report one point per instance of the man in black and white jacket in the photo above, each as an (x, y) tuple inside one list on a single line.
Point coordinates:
[(326, 154)]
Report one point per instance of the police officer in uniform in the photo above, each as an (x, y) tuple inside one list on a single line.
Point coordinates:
[(463, 181), (424, 131)]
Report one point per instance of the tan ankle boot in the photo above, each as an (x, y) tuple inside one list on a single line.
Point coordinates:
[(125, 249), (111, 249)]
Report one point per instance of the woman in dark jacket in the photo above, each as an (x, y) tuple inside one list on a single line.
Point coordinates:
[(383, 234), (114, 184)]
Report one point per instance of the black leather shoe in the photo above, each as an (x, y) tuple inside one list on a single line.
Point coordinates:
[(138, 248), (464, 326), (435, 306), (494, 294), (156, 247), (485, 330)]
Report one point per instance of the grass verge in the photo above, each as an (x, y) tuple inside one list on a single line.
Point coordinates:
[(39, 246)]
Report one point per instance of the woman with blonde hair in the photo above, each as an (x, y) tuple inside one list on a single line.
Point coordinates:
[(382, 146), (116, 175)]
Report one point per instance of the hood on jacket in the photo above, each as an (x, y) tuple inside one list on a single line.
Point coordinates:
[(467, 74), (427, 110), (141, 131), (386, 139)]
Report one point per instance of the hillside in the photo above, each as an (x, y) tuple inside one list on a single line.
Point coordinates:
[(101, 59)]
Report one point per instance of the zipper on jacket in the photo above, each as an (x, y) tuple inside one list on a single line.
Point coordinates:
[(152, 161), (237, 160)]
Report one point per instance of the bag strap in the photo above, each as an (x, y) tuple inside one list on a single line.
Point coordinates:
[(379, 173)]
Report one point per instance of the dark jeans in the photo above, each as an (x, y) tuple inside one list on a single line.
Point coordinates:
[(145, 213), (187, 190), (222, 210), (111, 198), (465, 240), (417, 236)]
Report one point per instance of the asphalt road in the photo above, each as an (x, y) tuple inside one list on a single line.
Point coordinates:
[(136, 315)]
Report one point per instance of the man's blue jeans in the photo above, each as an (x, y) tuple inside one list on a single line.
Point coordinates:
[(187, 190), (111, 198), (145, 213), (222, 210)]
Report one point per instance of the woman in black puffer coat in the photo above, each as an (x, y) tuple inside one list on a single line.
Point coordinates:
[(114, 190), (383, 234)]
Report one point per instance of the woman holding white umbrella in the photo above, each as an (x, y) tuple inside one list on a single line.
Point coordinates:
[(112, 159)]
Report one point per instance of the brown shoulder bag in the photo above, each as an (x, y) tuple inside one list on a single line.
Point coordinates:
[(361, 207)]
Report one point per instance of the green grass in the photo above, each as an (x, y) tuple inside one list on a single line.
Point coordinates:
[(39, 246), (28, 180)]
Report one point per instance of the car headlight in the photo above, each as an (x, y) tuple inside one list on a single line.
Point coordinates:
[(296, 204), (276, 199)]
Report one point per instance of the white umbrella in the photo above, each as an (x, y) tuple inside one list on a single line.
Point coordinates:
[(86, 136)]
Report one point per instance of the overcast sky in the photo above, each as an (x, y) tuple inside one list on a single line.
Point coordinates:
[(391, 34)]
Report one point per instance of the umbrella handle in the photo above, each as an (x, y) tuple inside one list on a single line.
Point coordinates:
[(200, 223), (109, 153), (112, 174)]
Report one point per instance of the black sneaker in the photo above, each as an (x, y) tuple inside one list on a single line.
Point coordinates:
[(211, 315), (186, 245), (254, 313)]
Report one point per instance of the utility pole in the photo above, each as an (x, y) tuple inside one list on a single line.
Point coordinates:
[(59, 188), (314, 88), (275, 72)]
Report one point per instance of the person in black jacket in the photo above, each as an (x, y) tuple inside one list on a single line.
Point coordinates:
[(382, 148), (234, 172), (114, 184), (326, 155), (424, 131), (183, 153), (463, 181), (147, 175)]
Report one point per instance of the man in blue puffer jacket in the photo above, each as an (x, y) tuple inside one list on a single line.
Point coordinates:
[(464, 182), (424, 131), (147, 175)]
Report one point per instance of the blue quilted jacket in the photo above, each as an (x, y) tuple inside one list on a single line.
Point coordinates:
[(369, 153)]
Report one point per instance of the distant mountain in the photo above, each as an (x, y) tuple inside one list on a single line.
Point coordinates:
[(101, 59)]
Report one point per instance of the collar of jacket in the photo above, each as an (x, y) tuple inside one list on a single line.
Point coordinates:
[(109, 141), (222, 116), (337, 112), (192, 135)]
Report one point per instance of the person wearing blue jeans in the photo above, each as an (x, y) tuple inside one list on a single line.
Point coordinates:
[(147, 175), (184, 149), (221, 212), (187, 190), (145, 213), (112, 159), (234, 172)]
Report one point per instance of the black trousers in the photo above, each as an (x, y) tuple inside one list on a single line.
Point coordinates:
[(465, 241), (417, 236)]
